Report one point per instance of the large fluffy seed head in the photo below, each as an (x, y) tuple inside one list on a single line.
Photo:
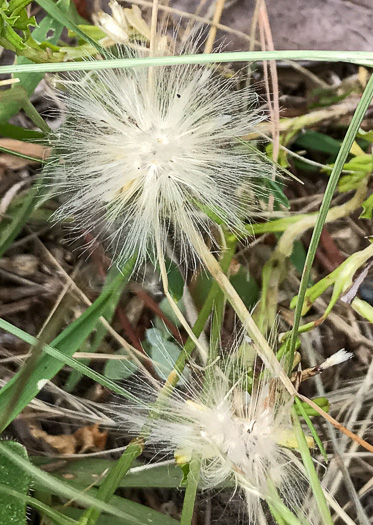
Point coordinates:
[(139, 160), (242, 432)]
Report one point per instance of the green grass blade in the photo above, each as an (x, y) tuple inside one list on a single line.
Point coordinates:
[(19, 133), (191, 492), (65, 490), (17, 395), (57, 517), (69, 361), (311, 427), (112, 481), (84, 471), (22, 155), (329, 192), (311, 472), (143, 515), (101, 330), (357, 57), (10, 232)]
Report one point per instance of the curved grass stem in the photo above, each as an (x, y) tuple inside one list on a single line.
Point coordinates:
[(261, 344), (329, 192)]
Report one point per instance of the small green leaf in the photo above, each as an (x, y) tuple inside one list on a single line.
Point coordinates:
[(366, 135), (185, 470), (367, 208), (164, 353), (175, 281), (246, 287), (168, 311), (314, 140), (119, 370)]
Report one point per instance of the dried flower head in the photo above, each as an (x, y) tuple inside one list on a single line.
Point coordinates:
[(141, 163), (122, 24), (239, 426)]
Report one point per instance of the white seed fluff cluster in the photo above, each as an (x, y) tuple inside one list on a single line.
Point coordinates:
[(139, 161), (245, 440)]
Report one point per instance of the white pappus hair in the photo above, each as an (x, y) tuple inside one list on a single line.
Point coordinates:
[(245, 439), (138, 162)]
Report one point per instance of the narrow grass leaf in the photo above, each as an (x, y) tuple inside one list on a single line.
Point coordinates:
[(307, 419), (13, 228), (329, 192), (68, 342), (18, 133), (63, 489), (144, 515), (84, 471), (357, 57), (190, 493), (311, 472), (44, 510), (70, 361)]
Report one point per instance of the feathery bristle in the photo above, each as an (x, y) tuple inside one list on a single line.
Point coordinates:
[(240, 428), (138, 161)]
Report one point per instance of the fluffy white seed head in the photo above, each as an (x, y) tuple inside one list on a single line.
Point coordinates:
[(137, 161), (241, 430), (339, 357)]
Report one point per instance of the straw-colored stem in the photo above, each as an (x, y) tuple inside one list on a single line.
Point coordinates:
[(261, 344), (216, 19), (162, 267), (153, 43)]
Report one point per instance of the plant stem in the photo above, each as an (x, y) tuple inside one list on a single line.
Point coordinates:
[(112, 480), (191, 491), (329, 192), (311, 472), (215, 333), (261, 344), (134, 449)]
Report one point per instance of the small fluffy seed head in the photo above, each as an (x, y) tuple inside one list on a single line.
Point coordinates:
[(138, 161), (241, 431), (339, 357)]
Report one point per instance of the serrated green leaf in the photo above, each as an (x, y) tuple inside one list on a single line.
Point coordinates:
[(31, 80), (13, 509)]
